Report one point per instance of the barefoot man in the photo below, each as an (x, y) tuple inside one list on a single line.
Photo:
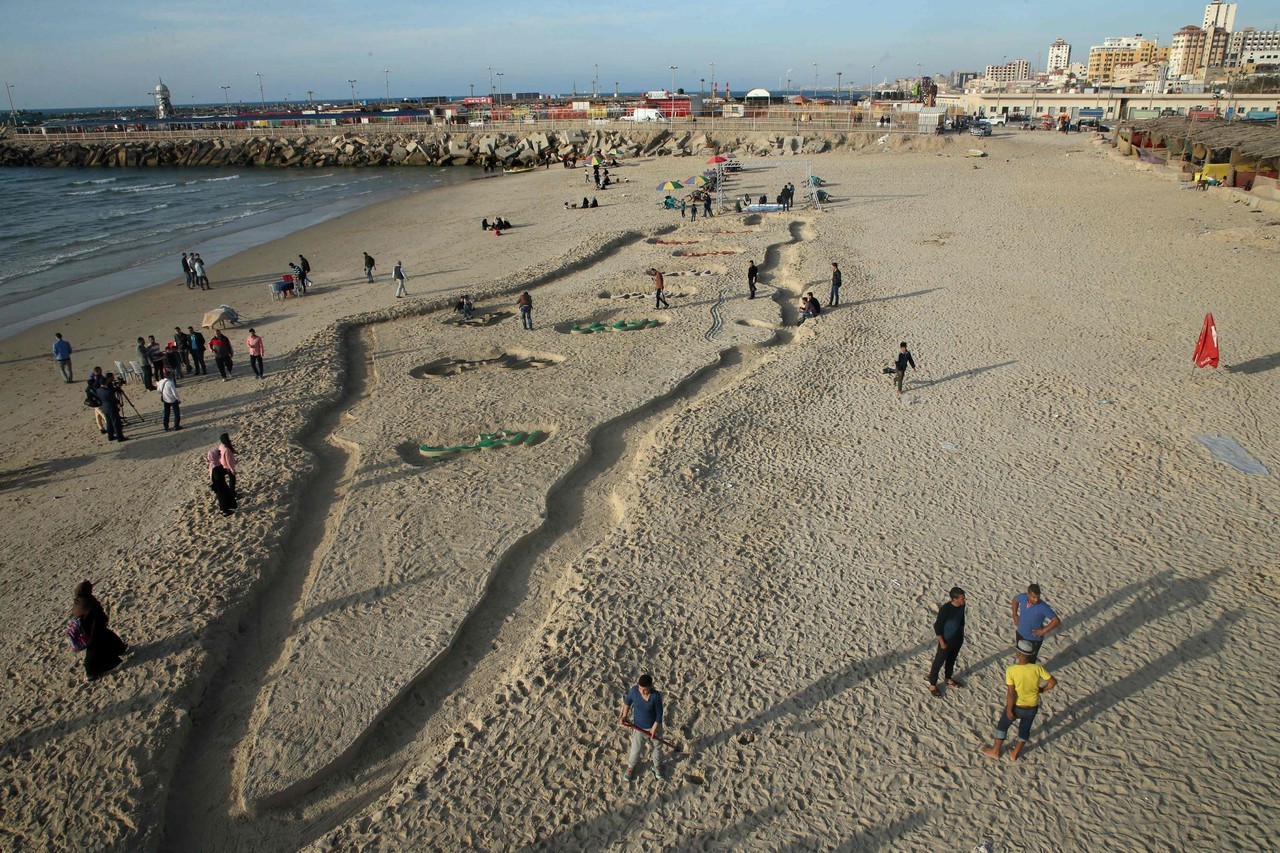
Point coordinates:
[(1021, 700)]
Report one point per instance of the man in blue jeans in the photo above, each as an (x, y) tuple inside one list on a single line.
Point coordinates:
[(1034, 618), (62, 355), (645, 705), (1021, 700)]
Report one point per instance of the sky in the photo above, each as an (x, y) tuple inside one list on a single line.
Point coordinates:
[(73, 53)]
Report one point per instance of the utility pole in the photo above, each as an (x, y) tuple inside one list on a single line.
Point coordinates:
[(386, 78), (838, 75), (871, 90), (226, 99), (261, 92), (789, 70), (815, 80), (673, 78), (595, 82), (353, 91), (713, 78), (490, 67), (499, 85)]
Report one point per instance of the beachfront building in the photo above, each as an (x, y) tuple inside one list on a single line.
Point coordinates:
[(1010, 72), (1059, 56), (1123, 50)]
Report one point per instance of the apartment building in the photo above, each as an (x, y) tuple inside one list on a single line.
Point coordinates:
[(1019, 69), (1059, 56), (1124, 50)]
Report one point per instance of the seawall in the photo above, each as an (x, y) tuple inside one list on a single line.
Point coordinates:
[(435, 148)]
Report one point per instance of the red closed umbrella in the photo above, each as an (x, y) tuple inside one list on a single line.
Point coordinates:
[(1207, 347), (718, 159)]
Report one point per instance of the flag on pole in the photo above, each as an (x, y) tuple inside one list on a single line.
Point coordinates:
[(1207, 347)]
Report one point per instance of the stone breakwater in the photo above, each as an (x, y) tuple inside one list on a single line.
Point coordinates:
[(437, 148)]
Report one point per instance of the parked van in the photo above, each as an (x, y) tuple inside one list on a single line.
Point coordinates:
[(646, 114)]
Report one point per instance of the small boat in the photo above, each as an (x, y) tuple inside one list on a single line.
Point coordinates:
[(517, 170)]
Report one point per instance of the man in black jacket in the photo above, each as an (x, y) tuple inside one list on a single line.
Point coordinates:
[(836, 281), (196, 344), (949, 630)]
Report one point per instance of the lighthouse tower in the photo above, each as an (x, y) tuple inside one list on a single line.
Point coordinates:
[(164, 106)]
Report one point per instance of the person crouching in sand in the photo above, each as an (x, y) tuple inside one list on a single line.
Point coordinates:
[(218, 483), (88, 632)]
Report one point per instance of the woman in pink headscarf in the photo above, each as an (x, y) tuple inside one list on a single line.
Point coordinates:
[(228, 456)]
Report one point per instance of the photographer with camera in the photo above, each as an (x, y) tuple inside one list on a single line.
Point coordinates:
[(109, 393)]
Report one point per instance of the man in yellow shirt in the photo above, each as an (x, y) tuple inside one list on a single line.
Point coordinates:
[(1021, 699)]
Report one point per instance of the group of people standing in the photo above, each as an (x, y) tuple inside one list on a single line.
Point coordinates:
[(193, 270), (1025, 681)]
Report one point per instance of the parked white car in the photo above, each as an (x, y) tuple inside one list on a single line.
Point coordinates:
[(996, 120)]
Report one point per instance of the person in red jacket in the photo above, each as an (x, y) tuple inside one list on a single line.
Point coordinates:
[(221, 348)]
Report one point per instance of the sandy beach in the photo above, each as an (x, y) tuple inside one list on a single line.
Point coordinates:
[(392, 649)]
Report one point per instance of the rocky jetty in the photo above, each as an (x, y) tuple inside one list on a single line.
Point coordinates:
[(434, 148)]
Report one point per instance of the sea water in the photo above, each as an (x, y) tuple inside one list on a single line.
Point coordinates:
[(71, 238)]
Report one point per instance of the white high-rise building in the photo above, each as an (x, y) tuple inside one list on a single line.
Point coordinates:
[(1059, 56), (1219, 14)]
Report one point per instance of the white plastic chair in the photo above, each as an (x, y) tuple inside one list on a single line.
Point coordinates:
[(124, 372), (135, 370)]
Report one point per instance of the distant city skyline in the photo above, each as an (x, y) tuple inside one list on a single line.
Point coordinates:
[(62, 54)]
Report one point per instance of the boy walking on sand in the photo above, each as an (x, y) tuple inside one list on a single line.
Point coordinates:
[(752, 274), (900, 368), (658, 288), (369, 264), (645, 705), (1021, 700)]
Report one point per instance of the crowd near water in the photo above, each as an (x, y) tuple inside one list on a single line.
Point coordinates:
[(70, 238)]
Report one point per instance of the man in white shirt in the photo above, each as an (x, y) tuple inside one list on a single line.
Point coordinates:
[(169, 396)]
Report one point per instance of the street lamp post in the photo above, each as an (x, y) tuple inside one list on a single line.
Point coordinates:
[(473, 89), (262, 95), (673, 68), (815, 80), (499, 73), (353, 91), (871, 90), (713, 78), (226, 99), (702, 86), (386, 78), (789, 85), (1004, 60), (8, 88), (490, 67), (839, 74), (595, 82)]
